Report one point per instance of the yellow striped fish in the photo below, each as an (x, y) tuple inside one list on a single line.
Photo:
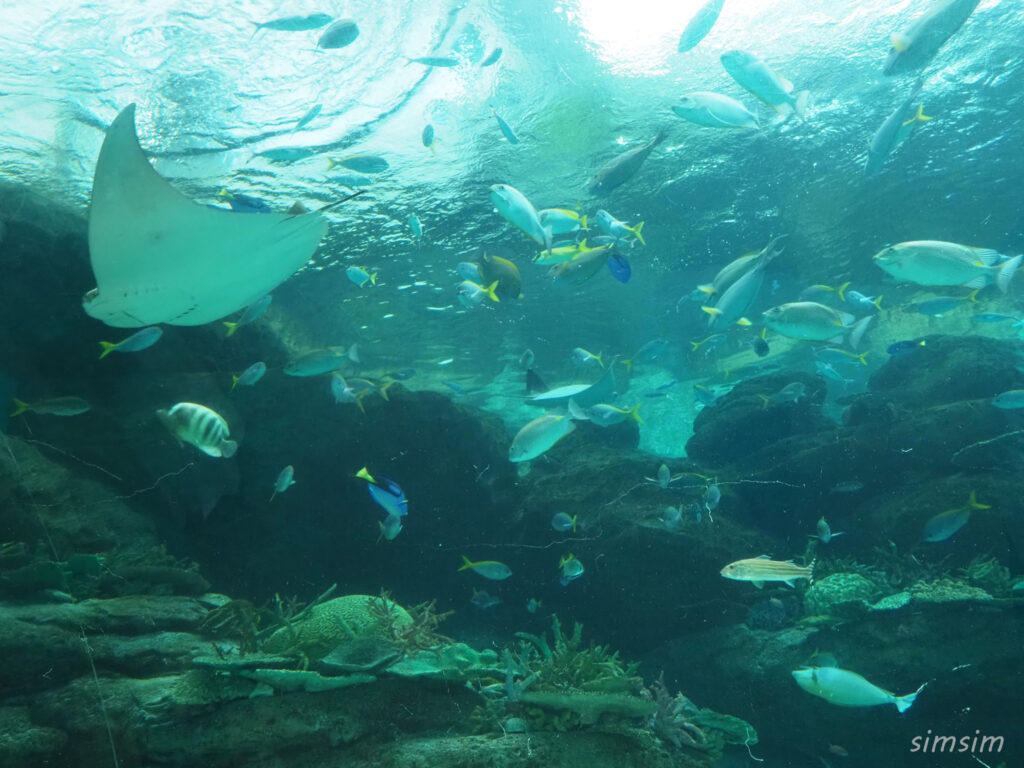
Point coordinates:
[(758, 570)]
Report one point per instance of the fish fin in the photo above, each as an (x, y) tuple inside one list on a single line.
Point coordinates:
[(628, 364), (20, 406), (228, 449), (576, 411), (573, 530), (634, 413), (272, 496), (973, 503), (919, 116), (973, 296), (600, 362), (903, 703), (232, 327), (234, 382), (107, 347), (763, 557), (364, 474), (489, 290), (1007, 271), (373, 279), (713, 311), (800, 105), (636, 232), (987, 256), (383, 389), (857, 331), (744, 322), (899, 42), (758, 584), (841, 291), (583, 222), (331, 163), (788, 583), (840, 533), (845, 318), (466, 564), (708, 289), (978, 282), (877, 301)]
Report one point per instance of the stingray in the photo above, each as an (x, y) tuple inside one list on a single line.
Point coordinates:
[(159, 257)]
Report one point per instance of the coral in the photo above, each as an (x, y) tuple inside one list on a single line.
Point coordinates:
[(774, 613), (947, 590), (303, 680), (456, 661), (416, 635), (840, 594), (892, 602), (988, 573), (236, 620), (672, 722), (590, 707)]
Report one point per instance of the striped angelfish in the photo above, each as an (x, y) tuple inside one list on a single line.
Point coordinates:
[(758, 570), (199, 426)]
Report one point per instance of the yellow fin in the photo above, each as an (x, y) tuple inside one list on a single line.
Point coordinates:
[(365, 475), (899, 42), (919, 116), (107, 347), (841, 291), (636, 231), (634, 413), (232, 327), (711, 311), (20, 406), (489, 290), (973, 503)]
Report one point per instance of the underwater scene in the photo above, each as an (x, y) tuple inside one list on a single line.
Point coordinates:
[(499, 383)]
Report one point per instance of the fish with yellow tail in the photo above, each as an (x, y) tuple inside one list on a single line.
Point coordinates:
[(848, 689), (758, 570)]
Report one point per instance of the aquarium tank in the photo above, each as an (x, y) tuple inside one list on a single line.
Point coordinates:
[(511, 383)]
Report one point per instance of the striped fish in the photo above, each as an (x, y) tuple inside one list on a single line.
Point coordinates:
[(758, 570), (199, 426)]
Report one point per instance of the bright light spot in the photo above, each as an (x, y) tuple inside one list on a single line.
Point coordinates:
[(636, 35)]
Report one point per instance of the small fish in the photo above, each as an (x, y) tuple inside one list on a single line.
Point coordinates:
[(562, 221), (562, 522), (249, 376), (251, 312), (138, 341), (896, 129), (285, 480), (482, 600), (619, 230), (316, 362), (494, 268), (532, 605), (415, 226), (945, 524), (427, 137), (695, 345), (489, 569), (53, 406), (361, 276), (860, 301), (672, 518), (905, 347), (390, 527), (791, 393), (760, 344), (829, 372), (199, 426), (286, 154), (307, 118), (386, 493), (402, 374), (436, 61), (700, 25), (605, 415), (538, 436), (848, 689), (758, 570), (940, 306), (847, 486), (823, 532), (340, 34), (506, 129), (571, 569), (491, 58), (712, 496), (649, 351), (295, 23), (526, 360), (663, 476), (838, 750), (1009, 400), (661, 390), (360, 163), (472, 294), (714, 110), (585, 359), (244, 203), (992, 317), (837, 356)]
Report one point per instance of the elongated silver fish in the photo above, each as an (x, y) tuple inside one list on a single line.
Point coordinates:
[(199, 426), (915, 46), (758, 570), (848, 689)]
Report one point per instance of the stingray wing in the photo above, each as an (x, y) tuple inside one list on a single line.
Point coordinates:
[(159, 257)]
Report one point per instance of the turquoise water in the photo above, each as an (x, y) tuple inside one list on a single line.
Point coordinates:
[(905, 424)]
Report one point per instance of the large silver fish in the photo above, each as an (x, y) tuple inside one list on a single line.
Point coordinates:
[(738, 297), (199, 426), (848, 689), (621, 169), (914, 47)]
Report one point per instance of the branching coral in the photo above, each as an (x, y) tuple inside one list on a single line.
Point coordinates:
[(671, 722)]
